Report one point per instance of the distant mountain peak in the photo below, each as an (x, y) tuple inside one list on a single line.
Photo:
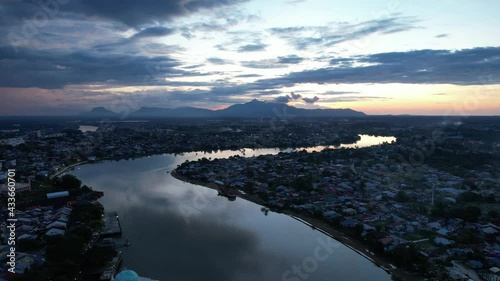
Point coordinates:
[(256, 108), (251, 109), (100, 112), (99, 109)]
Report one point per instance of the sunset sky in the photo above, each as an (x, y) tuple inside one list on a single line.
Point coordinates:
[(379, 57)]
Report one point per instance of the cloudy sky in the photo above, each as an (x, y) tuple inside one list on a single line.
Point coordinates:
[(379, 57)]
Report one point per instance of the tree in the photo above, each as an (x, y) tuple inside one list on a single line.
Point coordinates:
[(99, 256), (70, 182), (362, 188), (29, 244), (493, 214), (402, 197), (438, 210), (86, 188), (467, 236), (473, 213), (83, 232), (490, 199), (408, 258), (469, 213), (69, 248)]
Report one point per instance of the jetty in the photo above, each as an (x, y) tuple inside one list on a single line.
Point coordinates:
[(111, 268), (111, 224)]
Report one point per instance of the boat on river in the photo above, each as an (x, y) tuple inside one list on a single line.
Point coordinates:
[(229, 193)]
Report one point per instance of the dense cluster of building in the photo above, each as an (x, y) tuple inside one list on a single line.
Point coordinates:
[(43, 152), (374, 191), (50, 221), (392, 204), (39, 154)]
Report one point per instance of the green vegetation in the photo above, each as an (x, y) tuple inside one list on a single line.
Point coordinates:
[(468, 213), (26, 245), (98, 257), (65, 254), (68, 182)]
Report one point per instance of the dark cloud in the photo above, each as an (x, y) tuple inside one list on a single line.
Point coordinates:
[(295, 97), (444, 35), (282, 99), (266, 93), (157, 31), (147, 12), (193, 66), (262, 64), (129, 12), (242, 41), (311, 100), (195, 5), (289, 32), (218, 61), (336, 93), (190, 31), (223, 21), (123, 45), (355, 99), (55, 69), (291, 59), (248, 75), (464, 67), (341, 61), (303, 37), (187, 34), (252, 48)]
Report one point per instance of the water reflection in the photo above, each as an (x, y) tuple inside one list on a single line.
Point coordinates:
[(86, 128), (365, 141), (219, 240)]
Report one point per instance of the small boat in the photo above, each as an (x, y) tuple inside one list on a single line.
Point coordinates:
[(230, 194)]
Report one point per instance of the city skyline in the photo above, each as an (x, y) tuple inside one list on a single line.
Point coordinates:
[(394, 57)]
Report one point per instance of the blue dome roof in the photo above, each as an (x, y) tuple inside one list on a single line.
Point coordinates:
[(127, 275)]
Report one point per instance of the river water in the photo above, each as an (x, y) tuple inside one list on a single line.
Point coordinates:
[(86, 128), (184, 232)]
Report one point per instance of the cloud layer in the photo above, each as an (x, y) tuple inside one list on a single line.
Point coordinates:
[(212, 53), (128, 12)]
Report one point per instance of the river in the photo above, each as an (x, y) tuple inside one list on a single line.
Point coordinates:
[(86, 128), (185, 232)]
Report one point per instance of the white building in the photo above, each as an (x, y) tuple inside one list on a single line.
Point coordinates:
[(20, 187), (12, 141)]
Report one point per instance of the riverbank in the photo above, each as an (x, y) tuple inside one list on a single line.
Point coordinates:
[(67, 169), (323, 227)]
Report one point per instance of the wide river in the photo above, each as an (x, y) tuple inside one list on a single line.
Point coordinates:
[(185, 232)]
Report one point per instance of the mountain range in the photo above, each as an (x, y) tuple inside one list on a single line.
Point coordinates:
[(252, 109)]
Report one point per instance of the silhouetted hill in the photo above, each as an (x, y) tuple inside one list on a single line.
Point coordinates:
[(180, 112), (250, 109), (100, 112), (257, 108)]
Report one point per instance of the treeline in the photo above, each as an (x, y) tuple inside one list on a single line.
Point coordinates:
[(467, 213)]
